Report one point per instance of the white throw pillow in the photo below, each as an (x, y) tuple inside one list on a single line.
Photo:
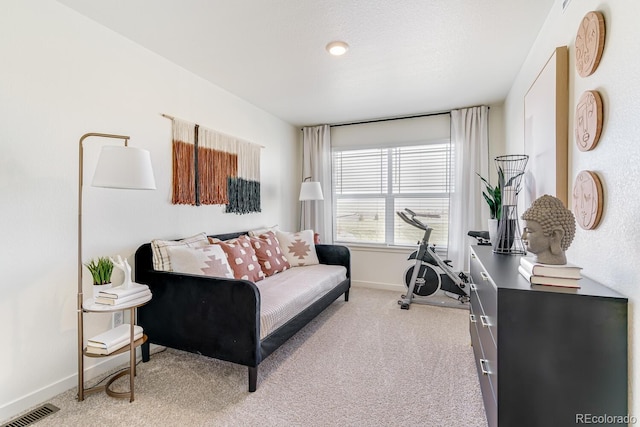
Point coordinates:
[(207, 260), (298, 248), (258, 231), (161, 261)]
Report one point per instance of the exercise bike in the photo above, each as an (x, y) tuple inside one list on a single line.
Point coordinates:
[(430, 272)]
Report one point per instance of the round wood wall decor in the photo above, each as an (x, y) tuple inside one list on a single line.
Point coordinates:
[(588, 120), (589, 43), (587, 200)]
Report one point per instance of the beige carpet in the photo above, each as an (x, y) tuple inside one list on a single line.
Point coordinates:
[(360, 363)]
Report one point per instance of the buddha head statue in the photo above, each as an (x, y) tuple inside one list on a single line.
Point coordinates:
[(549, 229)]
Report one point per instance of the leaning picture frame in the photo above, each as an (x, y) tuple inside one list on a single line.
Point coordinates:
[(546, 130)]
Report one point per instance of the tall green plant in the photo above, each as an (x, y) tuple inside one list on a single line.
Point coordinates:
[(493, 195), (100, 270)]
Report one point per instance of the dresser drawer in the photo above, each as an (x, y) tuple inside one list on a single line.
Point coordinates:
[(484, 298), (490, 355), (486, 340), (486, 326), (473, 319), (484, 377), (475, 306)]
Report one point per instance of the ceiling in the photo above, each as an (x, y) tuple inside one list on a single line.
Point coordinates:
[(406, 57)]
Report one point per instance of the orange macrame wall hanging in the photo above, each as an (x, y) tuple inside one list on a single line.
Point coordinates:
[(211, 168)]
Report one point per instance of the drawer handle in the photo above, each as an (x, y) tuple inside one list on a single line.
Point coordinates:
[(484, 276), (472, 318), (485, 321), (473, 287), (484, 366)]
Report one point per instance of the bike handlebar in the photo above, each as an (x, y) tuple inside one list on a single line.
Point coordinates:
[(478, 235), (413, 220)]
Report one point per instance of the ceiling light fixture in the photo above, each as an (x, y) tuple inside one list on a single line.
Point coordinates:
[(337, 48)]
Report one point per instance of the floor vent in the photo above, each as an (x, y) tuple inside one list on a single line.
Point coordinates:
[(32, 416)]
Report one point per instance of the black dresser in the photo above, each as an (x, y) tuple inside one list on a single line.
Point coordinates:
[(546, 356)]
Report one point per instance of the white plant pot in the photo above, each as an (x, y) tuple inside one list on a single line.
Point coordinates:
[(493, 230)]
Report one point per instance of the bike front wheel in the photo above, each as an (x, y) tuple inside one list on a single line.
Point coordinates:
[(427, 282)]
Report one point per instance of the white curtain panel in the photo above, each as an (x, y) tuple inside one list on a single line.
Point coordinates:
[(316, 163), (470, 143)]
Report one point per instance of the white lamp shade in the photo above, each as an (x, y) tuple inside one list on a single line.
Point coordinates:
[(124, 167), (311, 190)]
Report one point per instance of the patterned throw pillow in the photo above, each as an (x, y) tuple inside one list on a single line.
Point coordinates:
[(298, 247), (242, 258), (161, 261), (270, 257), (207, 260)]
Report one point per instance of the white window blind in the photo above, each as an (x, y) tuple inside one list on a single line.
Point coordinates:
[(371, 184)]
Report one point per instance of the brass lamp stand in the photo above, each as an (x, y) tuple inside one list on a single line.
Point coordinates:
[(121, 167)]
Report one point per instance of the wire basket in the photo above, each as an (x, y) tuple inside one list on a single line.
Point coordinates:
[(510, 172)]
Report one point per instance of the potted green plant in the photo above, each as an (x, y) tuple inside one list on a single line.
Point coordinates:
[(493, 197), (101, 270)]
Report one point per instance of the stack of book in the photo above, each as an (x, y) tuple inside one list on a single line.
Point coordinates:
[(120, 295), (113, 339), (563, 275)]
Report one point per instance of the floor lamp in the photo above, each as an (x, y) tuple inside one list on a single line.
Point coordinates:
[(309, 190), (121, 167)]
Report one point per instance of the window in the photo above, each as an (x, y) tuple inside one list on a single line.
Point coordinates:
[(371, 184)]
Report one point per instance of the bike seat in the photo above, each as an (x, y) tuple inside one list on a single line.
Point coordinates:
[(479, 234)]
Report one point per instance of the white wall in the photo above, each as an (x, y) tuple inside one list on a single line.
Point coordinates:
[(62, 75), (609, 253)]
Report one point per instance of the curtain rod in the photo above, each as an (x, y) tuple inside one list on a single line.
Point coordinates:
[(387, 119), (390, 119), (393, 118)]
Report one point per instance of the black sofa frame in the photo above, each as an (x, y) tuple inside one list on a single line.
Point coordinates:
[(220, 317)]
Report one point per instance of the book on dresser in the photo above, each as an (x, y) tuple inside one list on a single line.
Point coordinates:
[(549, 280), (568, 270), (113, 339)]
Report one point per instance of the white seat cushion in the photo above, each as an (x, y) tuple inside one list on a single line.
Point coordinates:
[(286, 294)]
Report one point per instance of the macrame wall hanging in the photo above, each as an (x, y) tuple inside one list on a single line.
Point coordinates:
[(211, 168)]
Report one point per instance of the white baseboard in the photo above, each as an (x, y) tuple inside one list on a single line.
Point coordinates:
[(40, 397), (378, 285)]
